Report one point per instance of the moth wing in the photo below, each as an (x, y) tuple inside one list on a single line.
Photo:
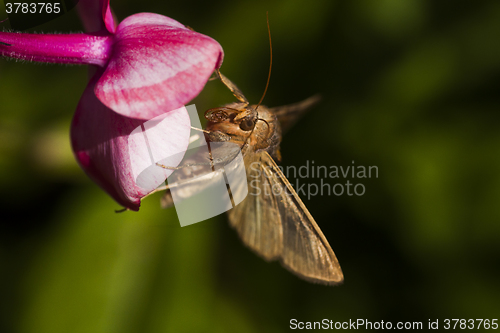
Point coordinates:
[(279, 226), (289, 114), (257, 218)]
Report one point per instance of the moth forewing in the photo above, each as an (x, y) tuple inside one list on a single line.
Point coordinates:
[(306, 250), (257, 219), (275, 223), (289, 114)]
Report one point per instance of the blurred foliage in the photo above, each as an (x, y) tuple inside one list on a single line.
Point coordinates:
[(409, 86)]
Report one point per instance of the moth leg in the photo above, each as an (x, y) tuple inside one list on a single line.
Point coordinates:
[(166, 200), (214, 136), (188, 165), (182, 166), (213, 77), (167, 167), (160, 188), (231, 86), (211, 161), (199, 129)]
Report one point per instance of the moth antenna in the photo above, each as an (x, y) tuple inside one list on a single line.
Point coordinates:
[(268, 79), (270, 62)]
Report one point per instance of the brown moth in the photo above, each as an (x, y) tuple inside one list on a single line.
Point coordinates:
[(275, 226)]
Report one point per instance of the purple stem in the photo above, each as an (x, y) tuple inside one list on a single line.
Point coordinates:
[(81, 49)]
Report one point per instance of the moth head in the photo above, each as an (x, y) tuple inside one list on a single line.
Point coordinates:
[(236, 117)]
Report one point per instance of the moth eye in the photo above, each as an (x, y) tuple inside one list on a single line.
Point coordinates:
[(247, 124)]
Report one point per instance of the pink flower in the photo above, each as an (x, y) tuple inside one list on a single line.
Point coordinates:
[(146, 66)]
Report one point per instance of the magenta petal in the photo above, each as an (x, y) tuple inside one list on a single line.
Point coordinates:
[(107, 15), (90, 12), (106, 151), (96, 16), (157, 65)]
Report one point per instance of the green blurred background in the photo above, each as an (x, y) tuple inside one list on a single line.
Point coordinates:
[(409, 86)]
